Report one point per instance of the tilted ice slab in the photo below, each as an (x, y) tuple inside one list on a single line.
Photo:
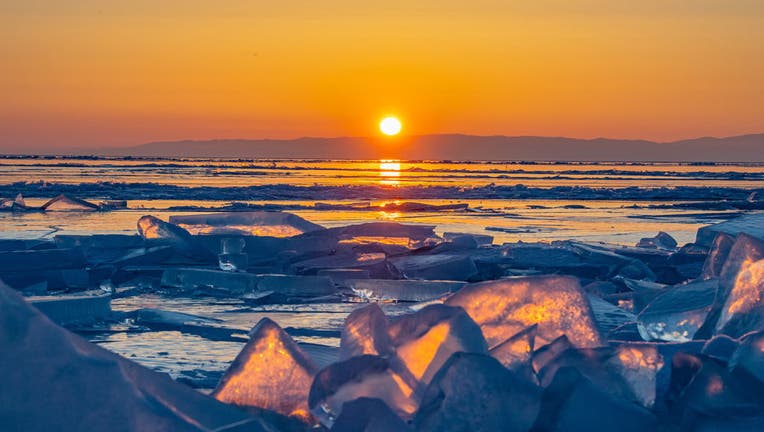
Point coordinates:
[(152, 228), (752, 224), (270, 372), (61, 382), (424, 340), (502, 308), (677, 314), (717, 255), (403, 290), (257, 223), (67, 203), (743, 310), (745, 251), (365, 332), (457, 267)]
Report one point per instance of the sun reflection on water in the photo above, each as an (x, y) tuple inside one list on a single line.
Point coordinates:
[(389, 171)]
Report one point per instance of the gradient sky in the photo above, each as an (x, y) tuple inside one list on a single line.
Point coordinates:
[(91, 73)]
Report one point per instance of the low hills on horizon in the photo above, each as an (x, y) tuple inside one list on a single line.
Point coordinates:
[(742, 148)]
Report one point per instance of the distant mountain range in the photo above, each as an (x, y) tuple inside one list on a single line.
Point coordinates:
[(743, 148)]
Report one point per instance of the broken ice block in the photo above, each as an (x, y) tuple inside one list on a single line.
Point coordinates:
[(152, 228), (374, 263), (474, 392), (639, 364), (191, 278), (717, 255), (573, 403), (368, 415), (502, 308), (607, 316), (362, 376), (426, 339), (436, 267), (678, 313), (36, 260), (661, 241), (743, 309), (403, 290), (78, 309), (365, 332), (480, 239), (256, 223), (296, 286), (515, 353), (111, 392), (749, 355), (704, 387), (67, 203), (721, 347), (751, 224), (743, 252), (270, 372), (644, 292), (233, 261), (342, 276)]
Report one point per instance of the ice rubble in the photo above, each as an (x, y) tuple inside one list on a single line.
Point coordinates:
[(257, 223), (574, 357), (112, 393), (505, 307), (270, 372)]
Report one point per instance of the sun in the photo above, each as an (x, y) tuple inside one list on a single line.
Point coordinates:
[(390, 126)]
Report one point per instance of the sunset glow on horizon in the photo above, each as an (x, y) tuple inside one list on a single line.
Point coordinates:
[(90, 74)]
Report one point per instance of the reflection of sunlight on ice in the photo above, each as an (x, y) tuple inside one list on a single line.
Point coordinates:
[(389, 170)]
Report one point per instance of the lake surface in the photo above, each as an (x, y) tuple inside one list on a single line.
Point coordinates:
[(547, 201)]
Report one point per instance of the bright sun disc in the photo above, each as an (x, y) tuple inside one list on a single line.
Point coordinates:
[(390, 126)]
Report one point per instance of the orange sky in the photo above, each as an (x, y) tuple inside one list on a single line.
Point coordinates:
[(82, 73)]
